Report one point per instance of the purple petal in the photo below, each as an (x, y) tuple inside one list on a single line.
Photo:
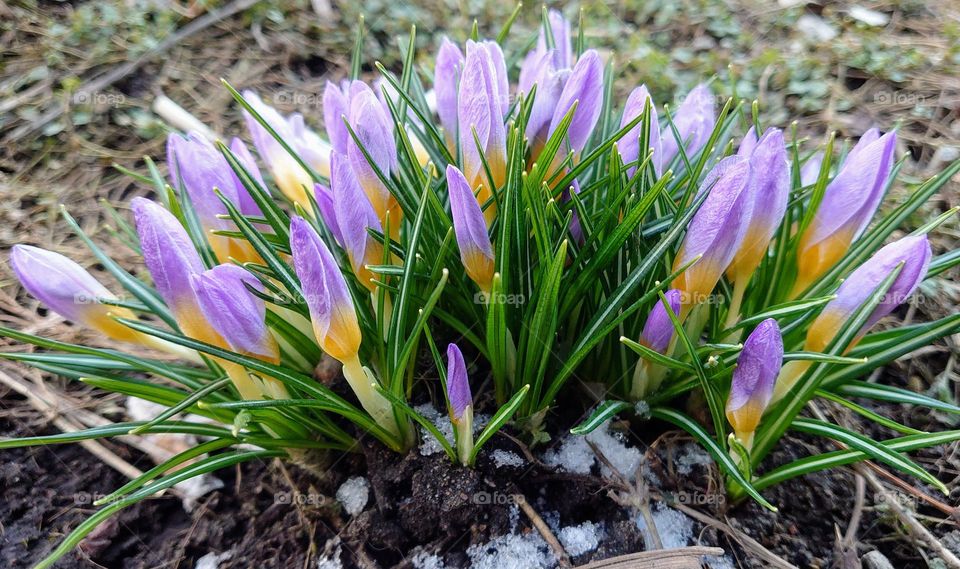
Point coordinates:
[(458, 385), (247, 205), (375, 131), (629, 145), (866, 139), (336, 105), (446, 78), (694, 121), (325, 291), (201, 168), (748, 143), (501, 86), (549, 81), (168, 252), (353, 210), (233, 311), (810, 170), (757, 367), (468, 221), (479, 111), (914, 252), (585, 86), (658, 329), (854, 195), (563, 46), (59, 283), (327, 211)]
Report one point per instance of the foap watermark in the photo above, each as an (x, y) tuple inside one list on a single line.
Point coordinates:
[(898, 98), (98, 98), (699, 498), (301, 499), (495, 499), (297, 99), (499, 298)]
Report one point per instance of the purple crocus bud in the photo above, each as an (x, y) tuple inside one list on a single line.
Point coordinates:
[(715, 232), (195, 162), (658, 329), (336, 105), (912, 252), (234, 312), (629, 145), (325, 291), (354, 216), (328, 213), (848, 205), (287, 173), (446, 78), (748, 143), (754, 379), (480, 115), (694, 121), (810, 170), (549, 81), (170, 257), (585, 87), (458, 385), (768, 192), (374, 130), (245, 203), (476, 252), (69, 290), (561, 56)]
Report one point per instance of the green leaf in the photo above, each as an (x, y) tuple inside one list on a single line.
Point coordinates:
[(420, 419), (498, 420), (604, 411), (894, 395)]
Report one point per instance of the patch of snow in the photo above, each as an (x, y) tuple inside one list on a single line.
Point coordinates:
[(332, 561), (575, 455), (674, 528), (427, 560), (429, 445), (814, 28), (577, 540), (719, 562), (353, 494), (642, 409), (507, 458), (868, 16), (692, 455), (212, 560), (528, 551)]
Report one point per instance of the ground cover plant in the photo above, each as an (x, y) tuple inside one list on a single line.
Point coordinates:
[(646, 254)]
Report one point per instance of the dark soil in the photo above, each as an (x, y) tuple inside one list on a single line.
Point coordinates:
[(269, 515)]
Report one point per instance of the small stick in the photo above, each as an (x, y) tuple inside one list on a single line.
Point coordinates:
[(677, 558), (563, 560)]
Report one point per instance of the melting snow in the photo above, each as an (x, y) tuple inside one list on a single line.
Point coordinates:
[(507, 458), (575, 455), (353, 494), (430, 445), (674, 528), (426, 560), (577, 540), (692, 455), (528, 551)]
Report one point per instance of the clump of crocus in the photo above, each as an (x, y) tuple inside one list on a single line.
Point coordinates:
[(334, 319), (460, 400), (848, 205), (753, 380), (910, 256), (288, 174), (715, 232), (476, 251), (658, 333)]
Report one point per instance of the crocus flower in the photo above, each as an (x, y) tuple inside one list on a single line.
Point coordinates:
[(234, 312), (658, 329), (461, 402), (171, 258), (476, 251), (715, 232), (848, 205), (481, 105), (561, 55), (912, 252), (446, 78), (629, 145), (287, 173), (328, 299), (336, 106), (201, 168), (768, 192), (334, 319), (694, 121), (69, 290), (810, 170), (657, 334), (374, 130), (584, 87), (328, 213), (754, 378), (354, 216)]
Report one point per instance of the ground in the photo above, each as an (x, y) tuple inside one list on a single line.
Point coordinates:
[(829, 66)]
